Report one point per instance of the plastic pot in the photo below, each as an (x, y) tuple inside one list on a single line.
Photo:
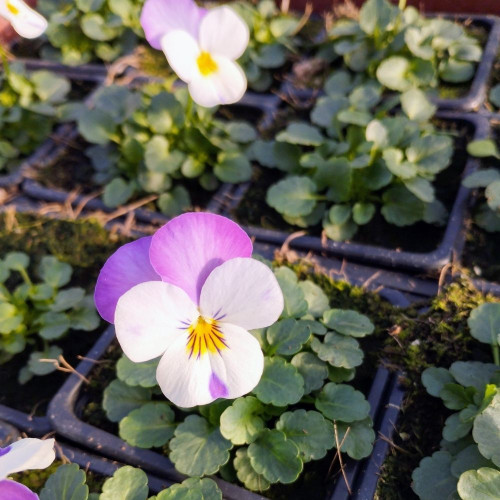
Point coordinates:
[(452, 239), (66, 422)]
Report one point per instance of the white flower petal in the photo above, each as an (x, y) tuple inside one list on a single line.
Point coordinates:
[(238, 368), (26, 454), (184, 380), (150, 316), (27, 22), (182, 53), (242, 292), (224, 33), (227, 85)]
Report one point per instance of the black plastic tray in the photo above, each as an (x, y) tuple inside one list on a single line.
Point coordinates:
[(62, 413), (426, 262)]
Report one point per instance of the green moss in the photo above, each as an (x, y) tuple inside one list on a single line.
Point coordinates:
[(438, 337), (36, 479)]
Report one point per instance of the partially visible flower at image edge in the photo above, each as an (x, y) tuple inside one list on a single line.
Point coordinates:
[(189, 294), (25, 454), (201, 46), (27, 22)]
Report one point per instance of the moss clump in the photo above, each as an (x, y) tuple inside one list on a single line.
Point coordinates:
[(36, 479), (437, 337)]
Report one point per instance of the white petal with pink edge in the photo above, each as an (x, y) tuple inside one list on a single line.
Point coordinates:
[(182, 52), (224, 33), (226, 85), (242, 292), (151, 316), (26, 454), (27, 22)]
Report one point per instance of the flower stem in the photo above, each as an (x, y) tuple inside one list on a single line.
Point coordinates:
[(496, 354), (4, 55), (189, 108), (402, 4), (25, 276)]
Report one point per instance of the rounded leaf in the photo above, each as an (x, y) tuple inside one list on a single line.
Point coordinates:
[(127, 483), (348, 322), (342, 402), (240, 423), (484, 323)]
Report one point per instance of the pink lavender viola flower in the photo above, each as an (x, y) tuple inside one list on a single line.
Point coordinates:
[(201, 47), (23, 455), (189, 294)]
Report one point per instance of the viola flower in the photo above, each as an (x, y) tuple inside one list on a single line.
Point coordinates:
[(27, 22), (201, 47), (189, 294), (22, 455)]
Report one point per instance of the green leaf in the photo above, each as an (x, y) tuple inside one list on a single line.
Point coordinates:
[(312, 434), (348, 322), (492, 194), (484, 323), (302, 134), (275, 457), (421, 188), (482, 484), (198, 448), (240, 423), (67, 483), (483, 148), (175, 202), (287, 336), (495, 95), (313, 370), (117, 192), (54, 273), (481, 178), (293, 196), (393, 159), (156, 154), (316, 298), (486, 431), (376, 15), (96, 126), (363, 213), (342, 402), (149, 426), (295, 303), (281, 384), (137, 374), (38, 367), (50, 87), (431, 153), (401, 207), (456, 397), (455, 429), (393, 73), (340, 351), (241, 132), (473, 373), (467, 459), (233, 167), (247, 474), (433, 478), (17, 261), (127, 483), (96, 27), (339, 214), (67, 299), (455, 71), (10, 320), (416, 105), (434, 379), (192, 489), (53, 325), (119, 399), (358, 443)]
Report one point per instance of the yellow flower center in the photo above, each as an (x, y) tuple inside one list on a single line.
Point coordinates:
[(206, 64), (12, 8), (204, 336)]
